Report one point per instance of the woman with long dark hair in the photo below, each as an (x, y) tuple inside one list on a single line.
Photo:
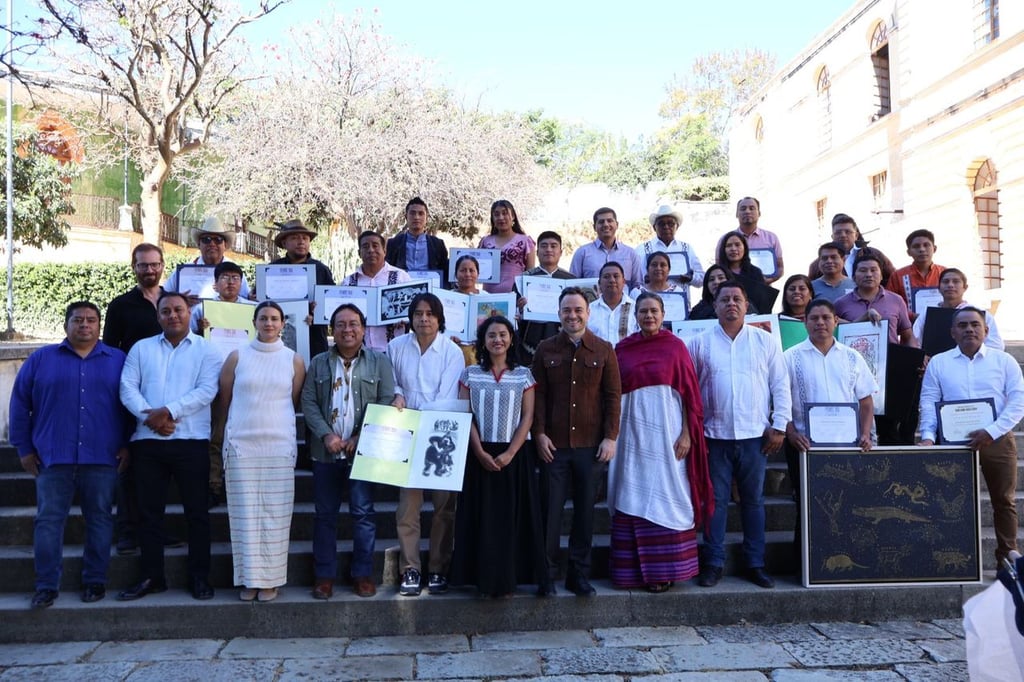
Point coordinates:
[(796, 294), (498, 538), (518, 250), (734, 256)]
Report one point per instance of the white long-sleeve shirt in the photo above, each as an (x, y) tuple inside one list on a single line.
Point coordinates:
[(990, 374), (839, 376), (182, 378), (992, 339), (743, 383), (607, 322), (422, 378)]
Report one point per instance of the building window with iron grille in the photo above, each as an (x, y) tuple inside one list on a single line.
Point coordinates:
[(880, 64), (986, 22)]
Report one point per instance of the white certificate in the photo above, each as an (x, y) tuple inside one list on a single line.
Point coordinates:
[(541, 295), (675, 305), (456, 314), (226, 340), (488, 259), (285, 282), (924, 298), (328, 298), (687, 330), (679, 265), (832, 424), (197, 280), (764, 259), (958, 418), (389, 443), (435, 277)]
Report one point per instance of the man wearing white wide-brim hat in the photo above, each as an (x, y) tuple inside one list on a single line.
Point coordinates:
[(213, 239), (666, 221)]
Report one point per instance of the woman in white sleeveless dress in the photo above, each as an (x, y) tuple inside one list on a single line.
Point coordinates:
[(259, 391)]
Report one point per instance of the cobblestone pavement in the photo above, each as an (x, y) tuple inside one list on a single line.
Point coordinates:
[(881, 652)]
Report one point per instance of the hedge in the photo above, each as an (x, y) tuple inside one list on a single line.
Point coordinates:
[(42, 291)]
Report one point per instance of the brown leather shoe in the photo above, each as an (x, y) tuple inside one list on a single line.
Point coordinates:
[(364, 587), (323, 588)]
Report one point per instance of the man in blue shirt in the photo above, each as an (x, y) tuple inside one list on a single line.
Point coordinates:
[(168, 383), (71, 433)]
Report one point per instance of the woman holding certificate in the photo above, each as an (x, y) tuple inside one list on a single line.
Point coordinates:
[(498, 537), (705, 308), (734, 256), (467, 270), (658, 268), (518, 250), (659, 486), (259, 391)]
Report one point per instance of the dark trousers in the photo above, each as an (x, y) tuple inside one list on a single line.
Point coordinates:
[(156, 462), (578, 468)]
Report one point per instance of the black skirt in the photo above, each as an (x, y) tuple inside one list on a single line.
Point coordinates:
[(499, 541)]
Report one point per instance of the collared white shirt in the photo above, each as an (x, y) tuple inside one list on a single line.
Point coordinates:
[(992, 340), (606, 322), (839, 376), (990, 374), (743, 383), (425, 377), (182, 378), (674, 246), (376, 337)]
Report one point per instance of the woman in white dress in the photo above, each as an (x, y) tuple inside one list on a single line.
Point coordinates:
[(259, 391)]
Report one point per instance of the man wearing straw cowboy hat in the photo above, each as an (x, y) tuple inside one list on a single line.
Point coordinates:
[(294, 238), (213, 239), (666, 221)]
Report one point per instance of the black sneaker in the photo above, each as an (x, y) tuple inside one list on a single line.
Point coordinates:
[(43, 599), (410, 586), (437, 584)]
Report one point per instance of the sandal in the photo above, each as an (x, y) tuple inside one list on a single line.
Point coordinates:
[(657, 588)]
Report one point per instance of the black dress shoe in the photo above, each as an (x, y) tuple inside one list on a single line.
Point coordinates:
[(147, 586), (546, 590), (201, 589), (93, 592), (760, 578), (710, 576), (43, 599), (580, 586)]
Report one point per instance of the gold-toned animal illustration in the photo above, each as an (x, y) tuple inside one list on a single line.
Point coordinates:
[(916, 494), (879, 514), (837, 563)]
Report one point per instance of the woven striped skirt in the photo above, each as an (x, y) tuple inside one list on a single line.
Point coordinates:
[(260, 495), (643, 553)]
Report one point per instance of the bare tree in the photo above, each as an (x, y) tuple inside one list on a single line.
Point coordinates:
[(171, 64), (349, 130)]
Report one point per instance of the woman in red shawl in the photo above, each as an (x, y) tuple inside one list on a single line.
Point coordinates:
[(659, 489)]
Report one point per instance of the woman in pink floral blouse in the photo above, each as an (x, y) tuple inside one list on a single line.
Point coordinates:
[(518, 250)]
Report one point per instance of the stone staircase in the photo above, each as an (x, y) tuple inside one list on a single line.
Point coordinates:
[(295, 614)]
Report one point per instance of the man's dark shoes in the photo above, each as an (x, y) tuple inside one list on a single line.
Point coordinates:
[(43, 599), (710, 576), (127, 546), (760, 578), (147, 586), (579, 585), (201, 589), (93, 592), (323, 588), (172, 542)]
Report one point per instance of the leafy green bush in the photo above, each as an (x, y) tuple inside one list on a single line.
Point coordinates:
[(43, 290)]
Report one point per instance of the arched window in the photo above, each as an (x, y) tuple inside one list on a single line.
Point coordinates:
[(880, 62), (824, 109), (986, 211)]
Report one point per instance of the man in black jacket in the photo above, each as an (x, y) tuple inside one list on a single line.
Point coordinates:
[(413, 249)]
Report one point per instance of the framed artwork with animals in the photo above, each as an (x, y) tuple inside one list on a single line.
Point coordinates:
[(891, 516)]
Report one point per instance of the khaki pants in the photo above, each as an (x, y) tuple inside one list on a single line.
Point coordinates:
[(442, 529), (999, 467)]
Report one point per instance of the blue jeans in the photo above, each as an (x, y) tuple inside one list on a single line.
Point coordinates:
[(329, 479), (742, 460), (55, 488)]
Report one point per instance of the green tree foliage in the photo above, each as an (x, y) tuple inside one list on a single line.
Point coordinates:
[(699, 107), (42, 190)]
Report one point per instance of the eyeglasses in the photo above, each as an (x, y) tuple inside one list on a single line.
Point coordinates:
[(348, 325), (230, 278), (211, 239), (148, 266)]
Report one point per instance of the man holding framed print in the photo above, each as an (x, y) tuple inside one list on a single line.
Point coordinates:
[(374, 271), (987, 383)]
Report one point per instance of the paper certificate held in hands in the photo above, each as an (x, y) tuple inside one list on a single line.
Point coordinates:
[(408, 448), (832, 424), (285, 282), (959, 418)]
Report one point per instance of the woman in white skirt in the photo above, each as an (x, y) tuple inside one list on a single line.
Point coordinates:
[(259, 391)]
